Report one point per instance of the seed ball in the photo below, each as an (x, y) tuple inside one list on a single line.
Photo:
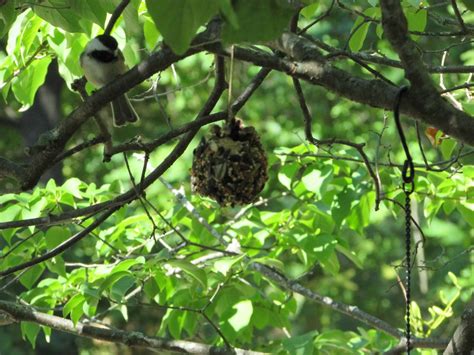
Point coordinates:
[(230, 166)]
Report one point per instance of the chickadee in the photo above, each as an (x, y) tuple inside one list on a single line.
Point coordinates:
[(102, 62)]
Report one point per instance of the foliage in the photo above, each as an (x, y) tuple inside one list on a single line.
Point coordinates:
[(159, 266)]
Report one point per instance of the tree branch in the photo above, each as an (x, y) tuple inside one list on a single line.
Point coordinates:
[(432, 108), (158, 61), (309, 64), (294, 286), (462, 341), (11, 169), (117, 12), (136, 339)]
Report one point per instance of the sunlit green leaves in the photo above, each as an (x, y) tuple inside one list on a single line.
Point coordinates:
[(30, 80), (309, 10), (242, 315)]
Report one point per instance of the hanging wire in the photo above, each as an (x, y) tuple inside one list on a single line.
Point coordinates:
[(230, 112), (408, 176)]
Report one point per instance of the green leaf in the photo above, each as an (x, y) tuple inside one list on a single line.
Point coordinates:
[(261, 317), (131, 18), (30, 331), (73, 186), (61, 14), (225, 264), (74, 307), (73, 302), (55, 236), (350, 254), (416, 19), (192, 270), (21, 37), (90, 307), (7, 198), (360, 216), (151, 288), (312, 180), (358, 37), (127, 264), (467, 211), (469, 4), (57, 266), (301, 344), (259, 21), (151, 33), (229, 13), (68, 47), (7, 17), (110, 5), (454, 280), (310, 10), (468, 171), (28, 82), (47, 333), (447, 147), (31, 275), (286, 173), (10, 214), (178, 20), (274, 263), (242, 316), (88, 9), (331, 264), (120, 287)]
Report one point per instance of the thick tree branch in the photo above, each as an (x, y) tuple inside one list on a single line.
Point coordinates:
[(135, 339), (306, 62), (309, 64), (376, 58), (462, 341), (10, 169), (432, 108)]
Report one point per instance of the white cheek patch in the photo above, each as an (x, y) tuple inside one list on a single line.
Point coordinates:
[(96, 45)]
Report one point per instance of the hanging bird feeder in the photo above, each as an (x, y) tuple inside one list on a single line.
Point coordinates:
[(230, 166)]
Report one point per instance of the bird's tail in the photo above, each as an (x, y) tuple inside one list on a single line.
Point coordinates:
[(123, 111)]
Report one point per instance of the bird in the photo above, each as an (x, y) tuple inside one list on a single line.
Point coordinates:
[(102, 62)]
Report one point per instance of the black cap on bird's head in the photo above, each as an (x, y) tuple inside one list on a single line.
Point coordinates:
[(108, 41)]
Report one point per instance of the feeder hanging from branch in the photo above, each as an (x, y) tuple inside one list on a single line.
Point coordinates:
[(230, 166)]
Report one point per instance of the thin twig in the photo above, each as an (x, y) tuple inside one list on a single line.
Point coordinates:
[(117, 12), (319, 18), (458, 15)]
